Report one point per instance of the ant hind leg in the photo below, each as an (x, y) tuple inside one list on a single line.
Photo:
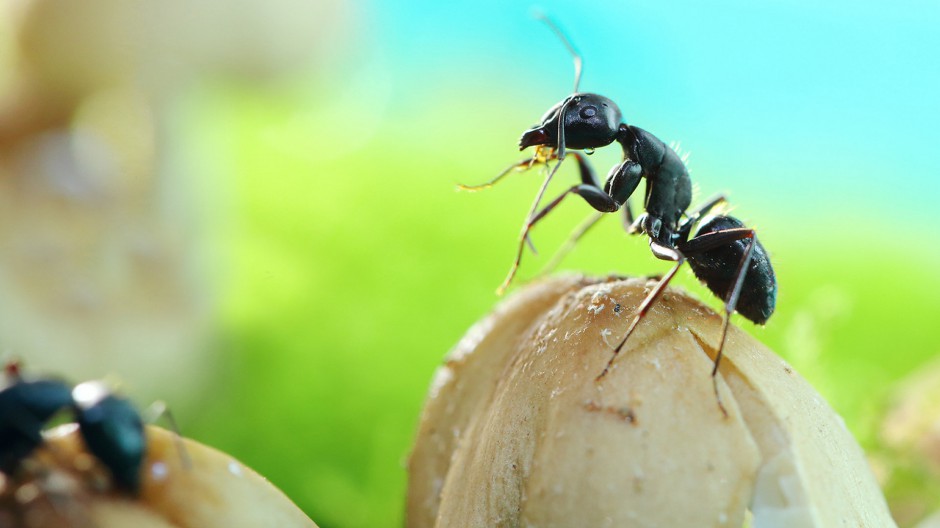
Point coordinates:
[(645, 306), (713, 240)]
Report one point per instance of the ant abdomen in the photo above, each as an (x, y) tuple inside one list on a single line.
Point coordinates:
[(110, 426), (113, 432), (758, 295)]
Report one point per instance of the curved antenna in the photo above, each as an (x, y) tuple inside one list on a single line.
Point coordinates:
[(564, 40)]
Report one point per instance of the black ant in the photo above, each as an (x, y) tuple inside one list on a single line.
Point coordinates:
[(727, 257), (586, 121), (723, 254), (109, 425)]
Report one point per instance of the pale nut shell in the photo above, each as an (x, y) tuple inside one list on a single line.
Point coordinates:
[(517, 432), (211, 490)]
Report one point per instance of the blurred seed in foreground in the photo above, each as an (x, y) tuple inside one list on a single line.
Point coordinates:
[(62, 487)]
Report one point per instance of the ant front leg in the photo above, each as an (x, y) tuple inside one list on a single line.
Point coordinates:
[(160, 409), (521, 166), (623, 180), (589, 189), (628, 182)]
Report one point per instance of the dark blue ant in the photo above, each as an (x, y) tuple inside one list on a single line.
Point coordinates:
[(110, 426)]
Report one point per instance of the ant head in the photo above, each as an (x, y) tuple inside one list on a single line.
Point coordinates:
[(590, 121)]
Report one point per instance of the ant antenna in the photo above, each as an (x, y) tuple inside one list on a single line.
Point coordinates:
[(159, 409), (564, 40)]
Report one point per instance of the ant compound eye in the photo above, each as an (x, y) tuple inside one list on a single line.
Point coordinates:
[(588, 112)]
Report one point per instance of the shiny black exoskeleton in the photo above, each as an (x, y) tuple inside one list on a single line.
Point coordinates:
[(717, 266), (110, 426), (727, 257)]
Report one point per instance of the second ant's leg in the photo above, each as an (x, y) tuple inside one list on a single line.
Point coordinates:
[(710, 241), (644, 308), (153, 413)]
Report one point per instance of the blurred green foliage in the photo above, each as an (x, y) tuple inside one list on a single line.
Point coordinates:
[(350, 266)]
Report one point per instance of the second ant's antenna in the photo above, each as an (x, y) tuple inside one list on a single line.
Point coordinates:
[(564, 40)]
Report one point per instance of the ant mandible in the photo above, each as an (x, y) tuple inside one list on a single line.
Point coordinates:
[(723, 253)]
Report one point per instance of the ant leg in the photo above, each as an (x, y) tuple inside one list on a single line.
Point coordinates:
[(636, 227), (628, 218), (713, 240), (706, 207), (717, 239), (622, 180), (691, 218), (573, 239), (154, 412), (582, 229), (588, 179), (519, 167), (534, 207), (593, 195), (644, 308)]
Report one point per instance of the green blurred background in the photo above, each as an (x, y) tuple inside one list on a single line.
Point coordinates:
[(299, 171)]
